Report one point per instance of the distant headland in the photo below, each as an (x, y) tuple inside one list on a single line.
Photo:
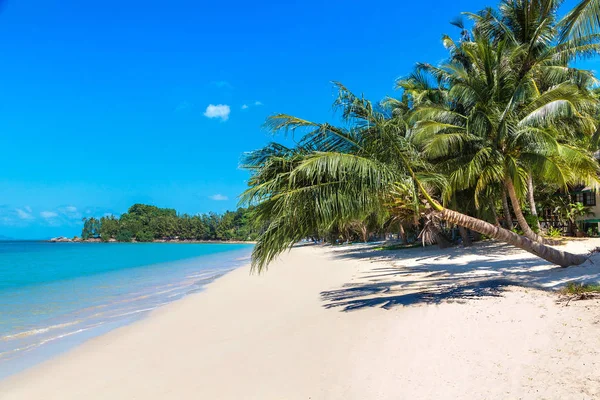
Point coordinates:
[(147, 223)]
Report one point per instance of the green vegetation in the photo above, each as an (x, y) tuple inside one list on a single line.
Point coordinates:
[(467, 143), (579, 289), (574, 211), (91, 228), (554, 233), (146, 223), (121, 236)]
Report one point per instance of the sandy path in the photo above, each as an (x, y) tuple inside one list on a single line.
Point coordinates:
[(288, 335)]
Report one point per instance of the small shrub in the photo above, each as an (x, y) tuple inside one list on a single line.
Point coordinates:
[(573, 288), (532, 221), (554, 232)]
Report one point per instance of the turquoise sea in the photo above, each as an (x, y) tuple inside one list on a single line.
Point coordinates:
[(54, 296)]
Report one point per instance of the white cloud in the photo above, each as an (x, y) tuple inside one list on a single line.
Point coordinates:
[(22, 214), (48, 214), (254, 104), (219, 111), (70, 212), (219, 197), (10, 216), (25, 216)]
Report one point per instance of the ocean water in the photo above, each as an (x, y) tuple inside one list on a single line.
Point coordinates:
[(54, 296)]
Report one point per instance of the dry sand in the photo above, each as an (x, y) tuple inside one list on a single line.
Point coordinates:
[(337, 324)]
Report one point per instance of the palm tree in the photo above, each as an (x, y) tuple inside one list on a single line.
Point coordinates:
[(531, 199), (505, 106), (335, 174), (573, 212), (401, 207), (551, 42), (507, 109)]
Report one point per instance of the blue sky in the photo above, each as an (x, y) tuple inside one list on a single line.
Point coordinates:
[(105, 104)]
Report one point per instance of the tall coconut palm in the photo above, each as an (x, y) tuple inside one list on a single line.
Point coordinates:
[(551, 42), (508, 109), (349, 171)]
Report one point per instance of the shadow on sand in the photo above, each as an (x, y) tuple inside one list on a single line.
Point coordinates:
[(431, 276)]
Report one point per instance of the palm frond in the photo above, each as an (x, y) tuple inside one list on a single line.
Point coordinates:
[(582, 20)]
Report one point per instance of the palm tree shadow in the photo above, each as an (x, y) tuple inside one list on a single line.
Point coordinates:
[(432, 276), (353, 298)]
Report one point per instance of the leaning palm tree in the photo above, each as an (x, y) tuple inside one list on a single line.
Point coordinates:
[(550, 42), (336, 174), (507, 106)]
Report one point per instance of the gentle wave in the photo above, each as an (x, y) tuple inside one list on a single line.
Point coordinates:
[(36, 331), (110, 312), (6, 355)]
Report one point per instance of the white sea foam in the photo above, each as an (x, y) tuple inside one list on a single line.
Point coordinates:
[(37, 331)]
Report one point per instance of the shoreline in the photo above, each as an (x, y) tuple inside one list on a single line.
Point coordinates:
[(330, 323), (53, 335), (70, 341)]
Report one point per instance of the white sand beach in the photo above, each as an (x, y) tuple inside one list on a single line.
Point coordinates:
[(342, 323)]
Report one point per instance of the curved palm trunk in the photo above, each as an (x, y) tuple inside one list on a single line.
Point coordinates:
[(527, 231), (506, 210), (550, 254), (531, 199), (555, 256)]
